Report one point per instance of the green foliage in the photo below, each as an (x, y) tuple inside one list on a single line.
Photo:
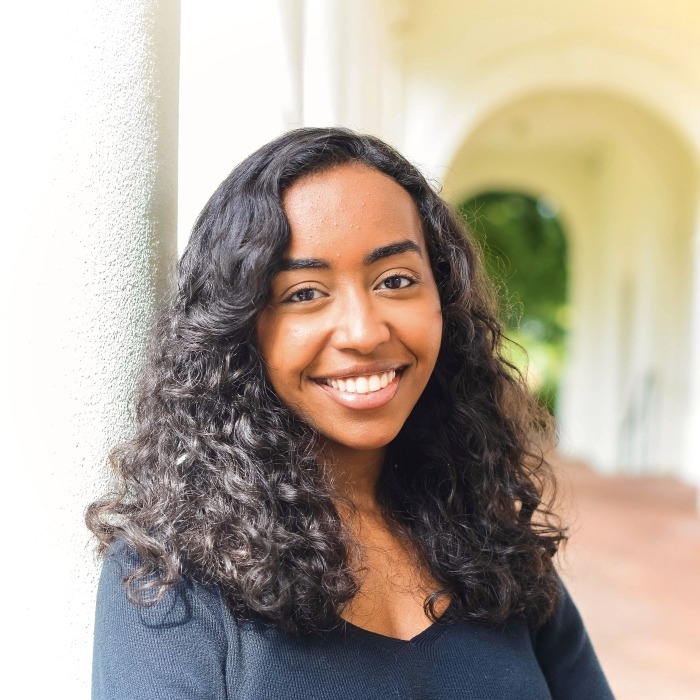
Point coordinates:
[(525, 254)]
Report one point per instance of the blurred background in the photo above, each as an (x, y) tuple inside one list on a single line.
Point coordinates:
[(566, 134)]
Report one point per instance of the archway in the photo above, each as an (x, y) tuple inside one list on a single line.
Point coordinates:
[(626, 185)]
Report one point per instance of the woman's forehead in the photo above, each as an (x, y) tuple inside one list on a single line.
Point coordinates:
[(348, 205)]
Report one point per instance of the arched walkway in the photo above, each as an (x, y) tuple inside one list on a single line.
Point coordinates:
[(626, 184)]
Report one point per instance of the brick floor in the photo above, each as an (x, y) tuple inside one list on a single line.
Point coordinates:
[(633, 568)]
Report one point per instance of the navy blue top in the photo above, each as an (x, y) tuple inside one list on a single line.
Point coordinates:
[(189, 646)]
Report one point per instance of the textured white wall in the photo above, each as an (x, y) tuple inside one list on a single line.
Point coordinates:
[(89, 178)]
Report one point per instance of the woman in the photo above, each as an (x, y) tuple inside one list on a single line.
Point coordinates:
[(335, 484)]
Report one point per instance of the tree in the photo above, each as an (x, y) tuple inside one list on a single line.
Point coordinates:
[(525, 254)]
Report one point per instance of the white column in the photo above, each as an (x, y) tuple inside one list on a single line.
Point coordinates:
[(291, 13), (89, 176), (324, 36), (240, 84), (351, 71)]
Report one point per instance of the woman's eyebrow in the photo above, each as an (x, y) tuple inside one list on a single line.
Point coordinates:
[(393, 249), (384, 251), (301, 264)]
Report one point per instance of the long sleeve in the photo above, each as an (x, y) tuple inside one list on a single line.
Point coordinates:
[(567, 658), (173, 650)]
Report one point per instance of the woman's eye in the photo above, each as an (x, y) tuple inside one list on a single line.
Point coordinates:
[(302, 295), (397, 282)]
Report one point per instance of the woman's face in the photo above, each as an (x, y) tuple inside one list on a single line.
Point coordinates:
[(353, 329)]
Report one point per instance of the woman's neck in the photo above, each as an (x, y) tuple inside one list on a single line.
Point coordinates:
[(354, 474)]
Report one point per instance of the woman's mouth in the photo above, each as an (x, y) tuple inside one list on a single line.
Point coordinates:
[(362, 384), (363, 391)]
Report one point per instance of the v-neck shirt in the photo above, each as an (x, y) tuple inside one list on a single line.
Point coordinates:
[(190, 646)]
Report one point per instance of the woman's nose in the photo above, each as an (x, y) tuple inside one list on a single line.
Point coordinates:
[(360, 325)]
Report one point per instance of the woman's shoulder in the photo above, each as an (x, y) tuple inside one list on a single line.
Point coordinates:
[(176, 606), (172, 647), (566, 655)]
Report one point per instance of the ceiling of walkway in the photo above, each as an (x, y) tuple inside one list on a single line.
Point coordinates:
[(581, 128), (480, 31), (463, 61)]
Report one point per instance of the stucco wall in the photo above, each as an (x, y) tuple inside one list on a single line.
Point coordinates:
[(250, 71), (89, 179)]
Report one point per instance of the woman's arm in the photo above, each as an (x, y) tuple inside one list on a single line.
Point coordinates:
[(567, 658), (173, 650)]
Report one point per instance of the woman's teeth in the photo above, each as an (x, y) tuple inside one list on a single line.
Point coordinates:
[(362, 385)]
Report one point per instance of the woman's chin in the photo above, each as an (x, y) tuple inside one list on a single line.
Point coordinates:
[(357, 443)]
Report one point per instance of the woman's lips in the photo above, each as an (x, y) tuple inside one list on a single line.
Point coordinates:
[(357, 399), (362, 383)]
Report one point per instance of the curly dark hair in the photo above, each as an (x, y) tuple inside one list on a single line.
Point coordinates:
[(220, 482)]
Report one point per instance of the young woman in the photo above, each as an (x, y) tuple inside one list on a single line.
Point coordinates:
[(334, 488)]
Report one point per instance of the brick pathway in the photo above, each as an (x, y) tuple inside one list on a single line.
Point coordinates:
[(633, 568)]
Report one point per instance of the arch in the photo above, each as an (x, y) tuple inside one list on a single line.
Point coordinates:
[(570, 62), (627, 182)]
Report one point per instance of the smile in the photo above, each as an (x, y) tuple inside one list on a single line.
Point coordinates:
[(363, 391), (362, 384)]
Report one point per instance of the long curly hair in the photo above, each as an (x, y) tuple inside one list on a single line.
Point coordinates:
[(220, 481)]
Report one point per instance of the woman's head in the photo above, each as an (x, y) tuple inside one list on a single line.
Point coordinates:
[(353, 326), (221, 482), (240, 237), (240, 249)]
